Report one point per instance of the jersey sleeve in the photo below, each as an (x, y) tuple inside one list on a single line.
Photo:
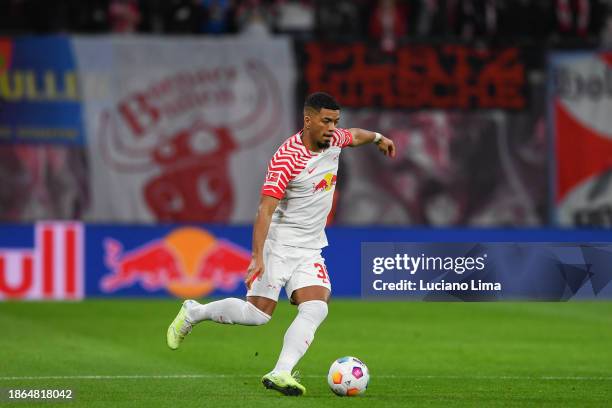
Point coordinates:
[(282, 168), (275, 184), (342, 138)]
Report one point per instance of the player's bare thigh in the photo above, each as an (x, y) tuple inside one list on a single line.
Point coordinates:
[(307, 293), (264, 304)]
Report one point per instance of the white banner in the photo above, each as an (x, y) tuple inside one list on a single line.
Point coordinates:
[(580, 105), (182, 129)]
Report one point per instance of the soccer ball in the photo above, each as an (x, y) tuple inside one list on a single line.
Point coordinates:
[(348, 376)]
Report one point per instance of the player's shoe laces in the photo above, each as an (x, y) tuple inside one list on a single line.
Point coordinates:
[(284, 383), (180, 326)]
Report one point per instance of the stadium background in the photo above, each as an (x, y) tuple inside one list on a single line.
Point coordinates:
[(134, 138)]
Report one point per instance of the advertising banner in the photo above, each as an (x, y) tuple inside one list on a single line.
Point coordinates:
[(44, 262), (180, 261), (70, 261), (450, 76), (580, 104), (182, 129), (39, 92)]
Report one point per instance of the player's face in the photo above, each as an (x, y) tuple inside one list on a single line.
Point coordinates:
[(322, 126)]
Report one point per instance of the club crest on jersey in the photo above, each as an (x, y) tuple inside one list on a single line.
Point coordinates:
[(326, 183), (272, 177)]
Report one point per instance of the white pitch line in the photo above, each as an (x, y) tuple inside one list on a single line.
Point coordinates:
[(416, 377)]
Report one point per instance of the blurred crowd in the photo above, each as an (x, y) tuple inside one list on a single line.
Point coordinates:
[(386, 21)]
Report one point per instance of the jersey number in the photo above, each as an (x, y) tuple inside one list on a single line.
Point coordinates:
[(322, 272)]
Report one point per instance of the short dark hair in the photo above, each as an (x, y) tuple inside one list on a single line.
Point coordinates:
[(321, 100)]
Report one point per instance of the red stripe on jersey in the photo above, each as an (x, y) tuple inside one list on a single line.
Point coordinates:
[(284, 161), (286, 157), (288, 161), (272, 193)]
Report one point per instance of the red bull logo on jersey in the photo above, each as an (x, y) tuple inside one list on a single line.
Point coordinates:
[(189, 262), (326, 183)]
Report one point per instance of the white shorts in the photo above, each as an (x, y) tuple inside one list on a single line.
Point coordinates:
[(289, 267)]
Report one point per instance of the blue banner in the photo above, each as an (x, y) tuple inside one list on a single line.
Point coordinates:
[(69, 260), (173, 260), (39, 91), (486, 271)]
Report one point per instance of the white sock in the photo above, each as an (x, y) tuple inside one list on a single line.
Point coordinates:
[(228, 311), (300, 334)]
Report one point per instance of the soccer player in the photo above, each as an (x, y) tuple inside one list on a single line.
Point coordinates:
[(288, 235)]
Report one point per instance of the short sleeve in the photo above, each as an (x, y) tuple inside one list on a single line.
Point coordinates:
[(288, 161), (275, 183)]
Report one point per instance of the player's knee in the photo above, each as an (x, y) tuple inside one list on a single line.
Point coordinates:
[(315, 310), (256, 316)]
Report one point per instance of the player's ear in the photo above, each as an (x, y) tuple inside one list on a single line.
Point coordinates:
[(307, 119)]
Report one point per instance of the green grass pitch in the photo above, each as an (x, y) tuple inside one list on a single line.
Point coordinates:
[(112, 353)]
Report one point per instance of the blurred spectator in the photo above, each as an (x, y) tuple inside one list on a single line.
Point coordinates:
[(573, 17), (254, 18), (218, 17), (388, 23), (579, 19), (13, 17), (91, 16), (183, 17), (606, 32), (124, 16), (526, 19), (433, 18), (341, 19), (153, 15), (31, 16), (566, 22), (294, 16), (477, 19)]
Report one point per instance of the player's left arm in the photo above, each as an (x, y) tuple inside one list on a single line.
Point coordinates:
[(362, 136)]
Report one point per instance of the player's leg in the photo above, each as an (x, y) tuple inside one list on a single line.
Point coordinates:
[(227, 311), (309, 288), (257, 310), (266, 305), (312, 310), (231, 311)]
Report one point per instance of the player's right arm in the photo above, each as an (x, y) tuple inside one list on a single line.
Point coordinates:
[(266, 208), (282, 168)]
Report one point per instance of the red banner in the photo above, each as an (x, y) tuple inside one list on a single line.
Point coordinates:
[(418, 76)]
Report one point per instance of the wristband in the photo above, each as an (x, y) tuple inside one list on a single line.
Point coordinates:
[(377, 138)]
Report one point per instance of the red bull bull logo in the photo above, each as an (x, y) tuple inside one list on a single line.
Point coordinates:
[(326, 183), (191, 159), (188, 262)]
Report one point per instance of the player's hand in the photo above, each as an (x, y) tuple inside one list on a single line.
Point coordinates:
[(255, 270), (386, 146)]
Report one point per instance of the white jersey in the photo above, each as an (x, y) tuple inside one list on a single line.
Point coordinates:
[(304, 182)]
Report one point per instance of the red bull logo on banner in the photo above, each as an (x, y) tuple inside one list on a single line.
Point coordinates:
[(189, 262), (51, 270)]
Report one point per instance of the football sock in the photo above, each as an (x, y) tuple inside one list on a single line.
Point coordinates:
[(228, 311), (300, 334)]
